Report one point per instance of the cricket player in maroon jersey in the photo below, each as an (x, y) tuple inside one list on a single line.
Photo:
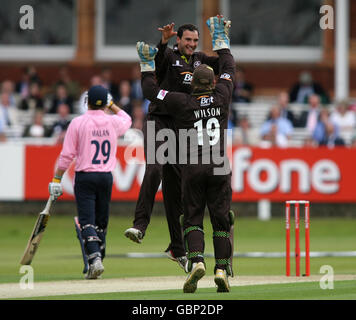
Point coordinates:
[(174, 70), (91, 140), (203, 115)]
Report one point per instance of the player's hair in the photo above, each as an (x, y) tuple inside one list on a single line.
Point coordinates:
[(187, 26)]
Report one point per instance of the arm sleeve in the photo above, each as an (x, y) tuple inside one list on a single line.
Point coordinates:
[(122, 122), (69, 150), (168, 102), (225, 82), (161, 61)]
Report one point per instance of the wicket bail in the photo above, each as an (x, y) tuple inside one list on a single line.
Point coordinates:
[(297, 204)]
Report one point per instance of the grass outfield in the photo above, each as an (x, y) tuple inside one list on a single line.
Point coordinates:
[(59, 258), (343, 290)]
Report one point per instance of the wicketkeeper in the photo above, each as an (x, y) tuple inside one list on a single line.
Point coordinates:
[(204, 114), (91, 140)]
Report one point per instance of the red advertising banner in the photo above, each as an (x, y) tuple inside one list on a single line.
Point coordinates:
[(319, 175)]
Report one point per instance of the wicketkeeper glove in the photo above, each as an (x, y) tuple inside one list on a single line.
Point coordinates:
[(147, 55), (219, 31), (55, 189)]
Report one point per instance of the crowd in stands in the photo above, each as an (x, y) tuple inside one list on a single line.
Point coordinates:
[(63, 99), (323, 122)]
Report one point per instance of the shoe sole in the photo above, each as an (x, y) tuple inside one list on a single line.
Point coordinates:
[(132, 237), (222, 285), (192, 283), (96, 274)]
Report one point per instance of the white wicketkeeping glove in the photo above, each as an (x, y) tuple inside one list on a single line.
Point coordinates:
[(55, 190), (147, 56), (219, 31)]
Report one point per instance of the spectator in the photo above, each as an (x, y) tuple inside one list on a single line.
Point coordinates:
[(8, 87), (136, 90), (37, 128), (7, 109), (2, 131), (34, 101), (59, 128), (301, 91), (242, 90), (309, 118), (283, 103), (29, 75), (108, 83), (342, 117), (61, 96), (276, 130), (326, 132), (138, 114), (244, 134), (124, 96), (72, 86)]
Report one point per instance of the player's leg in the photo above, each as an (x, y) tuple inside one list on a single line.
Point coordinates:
[(102, 208), (194, 205), (218, 201), (85, 195), (172, 198), (149, 187)]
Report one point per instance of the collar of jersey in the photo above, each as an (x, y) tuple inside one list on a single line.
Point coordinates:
[(95, 111), (201, 92)]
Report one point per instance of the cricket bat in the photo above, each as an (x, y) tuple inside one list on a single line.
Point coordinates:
[(36, 234)]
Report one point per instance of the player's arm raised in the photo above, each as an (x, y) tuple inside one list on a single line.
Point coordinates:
[(150, 88), (161, 58), (219, 31)]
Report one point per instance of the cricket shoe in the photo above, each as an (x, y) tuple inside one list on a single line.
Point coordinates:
[(221, 281), (191, 283), (95, 269), (182, 261), (134, 235)]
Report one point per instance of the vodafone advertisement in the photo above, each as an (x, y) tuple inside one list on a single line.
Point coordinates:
[(319, 175)]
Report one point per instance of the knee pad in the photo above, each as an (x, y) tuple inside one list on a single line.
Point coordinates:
[(101, 233), (226, 261), (90, 237)]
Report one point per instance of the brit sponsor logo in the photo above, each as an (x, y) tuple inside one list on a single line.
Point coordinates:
[(188, 77), (206, 101)]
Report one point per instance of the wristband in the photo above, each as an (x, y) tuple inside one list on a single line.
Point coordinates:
[(57, 179)]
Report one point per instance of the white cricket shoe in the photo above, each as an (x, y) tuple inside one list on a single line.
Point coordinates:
[(221, 281), (134, 235), (191, 283), (95, 269), (182, 261)]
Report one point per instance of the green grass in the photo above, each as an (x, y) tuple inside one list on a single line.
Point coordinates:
[(59, 257)]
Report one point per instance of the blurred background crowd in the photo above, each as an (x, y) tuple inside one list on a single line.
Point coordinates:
[(302, 115), (285, 93)]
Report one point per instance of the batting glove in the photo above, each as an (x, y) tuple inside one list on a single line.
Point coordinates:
[(55, 190), (110, 101), (219, 31), (147, 55)]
